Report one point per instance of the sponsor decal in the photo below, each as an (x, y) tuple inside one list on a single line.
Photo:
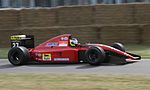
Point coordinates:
[(52, 44), (38, 54), (61, 59), (64, 38), (17, 37), (46, 56), (63, 43)]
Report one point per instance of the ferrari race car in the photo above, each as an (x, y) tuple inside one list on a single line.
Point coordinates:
[(65, 49)]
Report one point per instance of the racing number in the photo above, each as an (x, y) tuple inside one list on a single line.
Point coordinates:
[(15, 44)]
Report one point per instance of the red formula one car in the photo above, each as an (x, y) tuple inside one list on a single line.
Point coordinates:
[(65, 49)]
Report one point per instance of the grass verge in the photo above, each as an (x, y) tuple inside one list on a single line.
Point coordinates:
[(143, 50), (73, 82), (3, 53)]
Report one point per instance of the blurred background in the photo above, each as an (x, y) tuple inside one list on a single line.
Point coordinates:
[(94, 21), (54, 3)]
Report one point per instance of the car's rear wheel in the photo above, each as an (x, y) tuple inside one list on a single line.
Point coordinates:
[(18, 56), (119, 46), (95, 55)]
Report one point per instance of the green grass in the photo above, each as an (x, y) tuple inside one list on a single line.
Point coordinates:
[(143, 50), (10, 81), (3, 53), (73, 82)]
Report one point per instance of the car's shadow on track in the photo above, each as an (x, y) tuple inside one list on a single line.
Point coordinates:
[(35, 64), (87, 66), (76, 65), (6, 66)]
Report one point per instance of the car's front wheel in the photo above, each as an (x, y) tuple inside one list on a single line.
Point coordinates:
[(119, 46), (95, 55), (18, 56)]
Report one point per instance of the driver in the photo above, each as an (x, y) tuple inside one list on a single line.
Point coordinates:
[(73, 42)]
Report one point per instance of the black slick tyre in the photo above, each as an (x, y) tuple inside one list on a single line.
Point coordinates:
[(95, 55), (18, 56), (119, 46)]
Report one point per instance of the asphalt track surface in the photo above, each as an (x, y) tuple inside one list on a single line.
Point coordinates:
[(141, 67)]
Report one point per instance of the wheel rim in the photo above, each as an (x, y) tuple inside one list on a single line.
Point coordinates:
[(15, 59), (93, 56)]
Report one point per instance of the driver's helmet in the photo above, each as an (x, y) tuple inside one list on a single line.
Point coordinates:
[(73, 42)]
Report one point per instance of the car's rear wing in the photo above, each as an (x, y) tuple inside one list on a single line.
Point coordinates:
[(22, 40)]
